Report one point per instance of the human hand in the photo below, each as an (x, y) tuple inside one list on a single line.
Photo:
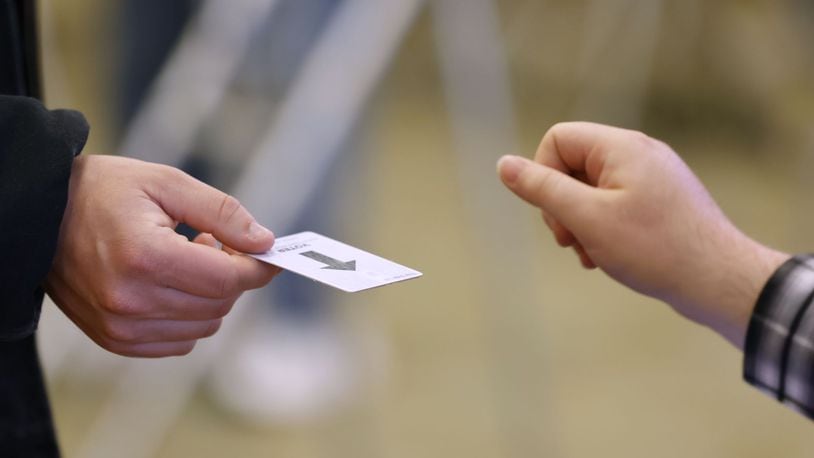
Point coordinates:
[(630, 206), (128, 280)]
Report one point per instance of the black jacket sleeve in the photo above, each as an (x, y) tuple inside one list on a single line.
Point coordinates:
[(37, 147)]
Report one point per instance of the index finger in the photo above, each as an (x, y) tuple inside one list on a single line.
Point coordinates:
[(578, 147), (208, 209)]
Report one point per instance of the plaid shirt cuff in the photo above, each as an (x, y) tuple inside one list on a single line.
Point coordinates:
[(779, 348)]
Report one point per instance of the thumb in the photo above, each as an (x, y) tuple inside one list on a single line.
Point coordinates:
[(207, 209), (554, 192)]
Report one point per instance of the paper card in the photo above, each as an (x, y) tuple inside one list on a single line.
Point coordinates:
[(334, 263)]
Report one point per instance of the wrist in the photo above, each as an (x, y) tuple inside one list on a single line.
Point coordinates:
[(735, 287)]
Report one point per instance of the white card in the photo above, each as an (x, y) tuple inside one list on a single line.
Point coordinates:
[(334, 263)]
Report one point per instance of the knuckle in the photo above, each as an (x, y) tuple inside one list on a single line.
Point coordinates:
[(558, 127), (119, 302), (140, 263), (548, 140), (182, 349), (169, 173), (645, 141), (168, 179), (136, 259), (229, 207), (118, 331), (212, 328), (115, 347), (663, 147), (223, 309)]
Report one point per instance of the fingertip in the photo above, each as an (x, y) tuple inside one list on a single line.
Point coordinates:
[(564, 238), (270, 271), (509, 168), (259, 237), (260, 233), (584, 259), (274, 271), (588, 264)]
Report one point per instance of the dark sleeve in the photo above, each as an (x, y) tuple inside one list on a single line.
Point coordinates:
[(779, 348), (37, 147)]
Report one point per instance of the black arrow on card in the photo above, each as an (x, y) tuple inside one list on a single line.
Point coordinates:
[(332, 263)]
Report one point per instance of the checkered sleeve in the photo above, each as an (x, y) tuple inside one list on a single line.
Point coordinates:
[(779, 348)]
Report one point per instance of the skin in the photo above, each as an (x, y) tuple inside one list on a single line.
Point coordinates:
[(627, 204), (128, 280)]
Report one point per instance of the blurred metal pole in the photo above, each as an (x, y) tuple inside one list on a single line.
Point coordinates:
[(318, 112), (194, 80), (321, 108), (478, 93)]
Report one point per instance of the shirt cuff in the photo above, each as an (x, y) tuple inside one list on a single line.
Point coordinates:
[(779, 347)]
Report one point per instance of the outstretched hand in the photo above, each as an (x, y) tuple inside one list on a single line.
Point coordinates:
[(128, 280), (629, 205)]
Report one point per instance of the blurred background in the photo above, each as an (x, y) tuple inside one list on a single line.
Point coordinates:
[(378, 123)]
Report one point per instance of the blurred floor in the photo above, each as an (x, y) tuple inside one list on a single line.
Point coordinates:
[(623, 375)]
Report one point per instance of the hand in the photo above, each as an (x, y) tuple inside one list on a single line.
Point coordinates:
[(630, 206), (128, 280)]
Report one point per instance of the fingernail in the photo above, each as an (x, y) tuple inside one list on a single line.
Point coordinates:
[(510, 167), (258, 232)]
